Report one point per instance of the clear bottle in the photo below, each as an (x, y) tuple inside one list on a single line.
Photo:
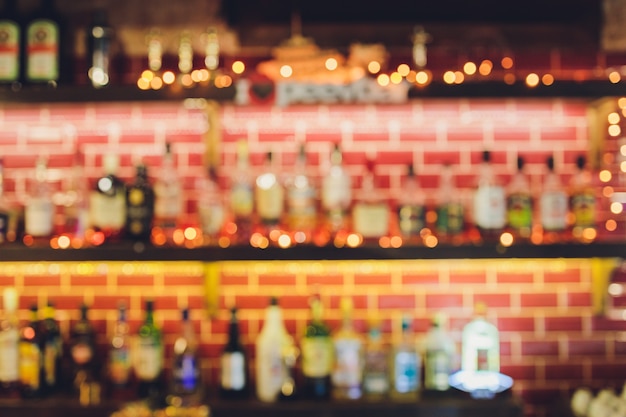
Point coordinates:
[(10, 45), (376, 384), (450, 223), (9, 343), (370, 214), (553, 205), (489, 201), (99, 37), (43, 45), (406, 364), (301, 197), (336, 193), (269, 194), (107, 201), (583, 205), (30, 357), (52, 350), (148, 354), (480, 343), (233, 363), (39, 209), (211, 208), (271, 343), (186, 379), (439, 352), (242, 194), (347, 374), (411, 207), (317, 354), (168, 195), (139, 206), (519, 203), (74, 204), (82, 349), (119, 363)]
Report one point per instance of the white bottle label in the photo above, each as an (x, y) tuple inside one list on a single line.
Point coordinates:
[(348, 367), (149, 360), (107, 212), (371, 220), (233, 371), (241, 200), (42, 51), (270, 202), (317, 356), (406, 372), (168, 203), (553, 206), (336, 192), (38, 217), (490, 207), (212, 218), (9, 370), (270, 370)]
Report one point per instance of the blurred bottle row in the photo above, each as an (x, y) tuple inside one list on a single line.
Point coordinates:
[(36, 360)]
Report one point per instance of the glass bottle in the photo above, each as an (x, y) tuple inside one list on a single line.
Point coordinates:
[(168, 195), (148, 365), (39, 210), (271, 343), (317, 354), (74, 204), (233, 363), (336, 192), (411, 207), (107, 201), (406, 364), (438, 356), (519, 203), (242, 194), (30, 357), (370, 214), (211, 208), (480, 343), (489, 201), (7, 213), (10, 44), (9, 342), (120, 366), (553, 205), (301, 196), (99, 36), (269, 194), (347, 374), (43, 45), (82, 347), (186, 379), (582, 198), (450, 223), (52, 350), (139, 206), (376, 373)]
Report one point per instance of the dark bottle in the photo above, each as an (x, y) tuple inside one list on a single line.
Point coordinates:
[(119, 364), (149, 364), (186, 376), (43, 46), (233, 363), (139, 206), (317, 355), (99, 35), (31, 360), (82, 347), (52, 350), (10, 45)]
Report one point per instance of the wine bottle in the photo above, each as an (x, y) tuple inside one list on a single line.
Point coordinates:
[(168, 194), (336, 193), (31, 358), (52, 350), (411, 207), (148, 365), (376, 374), (553, 205), (406, 364), (301, 196), (370, 214), (99, 34), (119, 364), (450, 223), (107, 201), (39, 210), (480, 348), (186, 378), (317, 354), (583, 204), (439, 352), (44, 46), (139, 206), (9, 342), (233, 363), (10, 45), (82, 349), (519, 203), (347, 374), (489, 201)]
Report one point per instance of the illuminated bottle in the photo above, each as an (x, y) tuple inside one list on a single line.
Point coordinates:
[(186, 378), (370, 214), (269, 194), (450, 223), (107, 200), (99, 34), (336, 193), (39, 210), (31, 358), (233, 363), (411, 207), (301, 195), (9, 342), (406, 364), (317, 354), (10, 44), (583, 204), (489, 201), (376, 370), (519, 203), (347, 374), (553, 205), (168, 195), (242, 194), (438, 356), (480, 349), (148, 365)]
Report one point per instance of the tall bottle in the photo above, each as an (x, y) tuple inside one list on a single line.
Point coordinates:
[(269, 194), (39, 209), (44, 45), (139, 206), (168, 194), (406, 364), (519, 203), (450, 223), (9, 343), (438, 356), (272, 342), (242, 194), (10, 45), (489, 201), (30, 357), (582, 201), (52, 350), (119, 370), (148, 365), (233, 363), (317, 354), (82, 349), (411, 207), (301, 200), (336, 192), (107, 200), (186, 378), (347, 374), (211, 208), (99, 36), (480, 343), (376, 373), (553, 205), (370, 214)]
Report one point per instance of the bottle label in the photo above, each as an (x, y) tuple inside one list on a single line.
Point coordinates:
[(81, 353), (241, 200), (437, 369), (149, 360), (450, 218), (317, 356), (271, 372), (520, 211), (411, 219), (233, 370), (9, 51), (9, 355), (42, 50), (406, 372), (490, 207), (168, 203), (38, 217), (348, 364), (336, 191), (119, 366), (186, 372), (270, 202), (30, 365), (302, 210), (553, 210), (107, 212), (584, 209), (371, 220)]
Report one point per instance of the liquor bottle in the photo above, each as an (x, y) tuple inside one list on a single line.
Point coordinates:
[(30, 357), (242, 194), (8, 216), (553, 205), (519, 203), (52, 351), (301, 196), (317, 354), (336, 192), (139, 206), (74, 221), (233, 363), (489, 201), (107, 201), (438, 356), (480, 343), (9, 342), (82, 349), (376, 373), (450, 223), (44, 46), (347, 374), (582, 199), (272, 341), (211, 207), (39, 210), (406, 364), (370, 214), (119, 364), (10, 45), (269, 194), (186, 378), (99, 36), (148, 365), (168, 195), (411, 207)]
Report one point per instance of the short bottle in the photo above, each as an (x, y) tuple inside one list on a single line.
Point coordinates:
[(583, 205), (107, 201), (370, 213), (168, 195), (376, 373), (39, 209), (30, 357), (450, 223), (406, 364), (347, 374), (480, 344), (269, 194), (148, 364), (411, 207), (519, 203), (186, 379), (336, 193), (489, 201), (10, 45), (139, 206), (83, 353), (553, 205), (233, 381), (119, 372), (9, 345), (52, 350), (439, 352)]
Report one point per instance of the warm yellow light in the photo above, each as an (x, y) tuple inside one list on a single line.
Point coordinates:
[(238, 67), (383, 80), (431, 241), (286, 71), (610, 225), (422, 78), (459, 77), (507, 62), (532, 80), (395, 242), (615, 130), (156, 83), (404, 70), (373, 67), (605, 175), (485, 67), (169, 77), (353, 240), (506, 239), (147, 75), (223, 81), (284, 241), (449, 77), (509, 79), (143, 84), (331, 64), (622, 166), (395, 78), (622, 150), (411, 76), (616, 208), (223, 242), (621, 102), (615, 77), (613, 118), (196, 76), (384, 242), (63, 242), (204, 74), (469, 68), (186, 80), (607, 191), (190, 233), (547, 79)]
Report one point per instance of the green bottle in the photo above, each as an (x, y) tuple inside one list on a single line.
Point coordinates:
[(317, 354), (149, 363)]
